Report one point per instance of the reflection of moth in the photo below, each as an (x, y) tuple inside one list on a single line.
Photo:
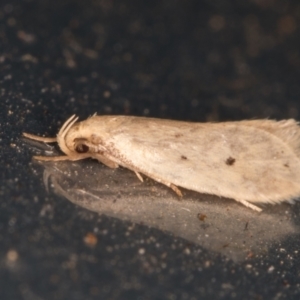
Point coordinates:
[(249, 161)]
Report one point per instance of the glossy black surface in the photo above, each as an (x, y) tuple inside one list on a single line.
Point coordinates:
[(185, 60)]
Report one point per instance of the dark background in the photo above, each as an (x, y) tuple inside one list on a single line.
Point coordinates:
[(188, 60)]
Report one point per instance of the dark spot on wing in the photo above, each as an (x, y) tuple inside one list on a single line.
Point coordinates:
[(177, 135), (286, 165), (230, 161), (183, 157)]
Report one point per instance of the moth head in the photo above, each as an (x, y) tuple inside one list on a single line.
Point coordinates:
[(75, 140)]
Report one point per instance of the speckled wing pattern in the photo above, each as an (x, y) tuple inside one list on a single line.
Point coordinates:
[(256, 161)]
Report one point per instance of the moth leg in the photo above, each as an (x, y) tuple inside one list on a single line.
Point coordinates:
[(252, 206), (106, 161), (175, 189), (170, 185), (167, 183), (139, 176)]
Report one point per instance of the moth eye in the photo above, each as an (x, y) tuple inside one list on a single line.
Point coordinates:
[(81, 148)]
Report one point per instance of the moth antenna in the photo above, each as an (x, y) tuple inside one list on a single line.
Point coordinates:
[(62, 134), (66, 124)]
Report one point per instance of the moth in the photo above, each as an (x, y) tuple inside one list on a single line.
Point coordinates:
[(253, 162)]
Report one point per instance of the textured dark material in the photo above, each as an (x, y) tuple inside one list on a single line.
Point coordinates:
[(187, 60)]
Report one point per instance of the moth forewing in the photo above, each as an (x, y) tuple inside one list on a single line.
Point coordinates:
[(249, 161)]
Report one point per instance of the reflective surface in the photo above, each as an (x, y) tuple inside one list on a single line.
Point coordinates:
[(219, 225)]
